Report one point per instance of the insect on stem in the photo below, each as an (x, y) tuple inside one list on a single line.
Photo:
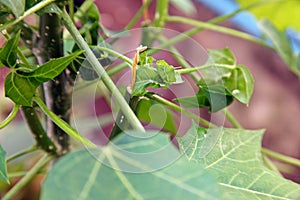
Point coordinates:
[(136, 60)]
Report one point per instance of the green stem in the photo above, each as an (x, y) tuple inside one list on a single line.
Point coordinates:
[(220, 29), (83, 9), (137, 15), (177, 108), (232, 119), (131, 117), (28, 177), (270, 165), (28, 12), (281, 157), (179, 58), (36, 128), (24, 152), (115, 53), (190, 70), (10, 117), (62, 124), (180, 37)]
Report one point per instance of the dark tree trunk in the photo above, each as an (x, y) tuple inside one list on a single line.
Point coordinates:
[(57, 92)]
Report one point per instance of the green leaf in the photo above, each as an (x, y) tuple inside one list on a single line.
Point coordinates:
[(21, 86), (20, 89), (145, 59), (240, 84), (222, 61), (236, 162), (237, 81), (151, 112), (52, 68), (132, 168), (166, 71), (215, 97), (282, 45), (8, 54), (3, 170), (286, 14), (160, 77), (198, 141), (16, 6)]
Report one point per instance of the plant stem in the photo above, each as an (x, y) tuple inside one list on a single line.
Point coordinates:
[(179, 58), (115, 53), (189, 70), (177, 108), (231, 118), (220, 29), (16, 174), (24, 152), (270, 165), (28, 177), (62, 124), (131, 117), (281, 157), (10, 117), (40, 136), (28, 12), (180, 37), (57, 92), (137, 15)]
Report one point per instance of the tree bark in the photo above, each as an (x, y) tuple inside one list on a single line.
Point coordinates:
[(57, 92)]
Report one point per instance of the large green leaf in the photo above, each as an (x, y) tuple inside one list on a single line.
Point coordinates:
[(234, 157), (3, 170), (138, 168), (283, 13), (16, 6), (8, 54), (21, 86), (282, 45)]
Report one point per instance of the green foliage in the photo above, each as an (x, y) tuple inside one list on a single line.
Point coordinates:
[(234, 157), (282, 45), (219, 163), (214, 97), (138, 177), (8, 53), (160, 77), (20, 86), (16, 6), (222, 82), (3, 170), (240, 84), (282, 13)]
